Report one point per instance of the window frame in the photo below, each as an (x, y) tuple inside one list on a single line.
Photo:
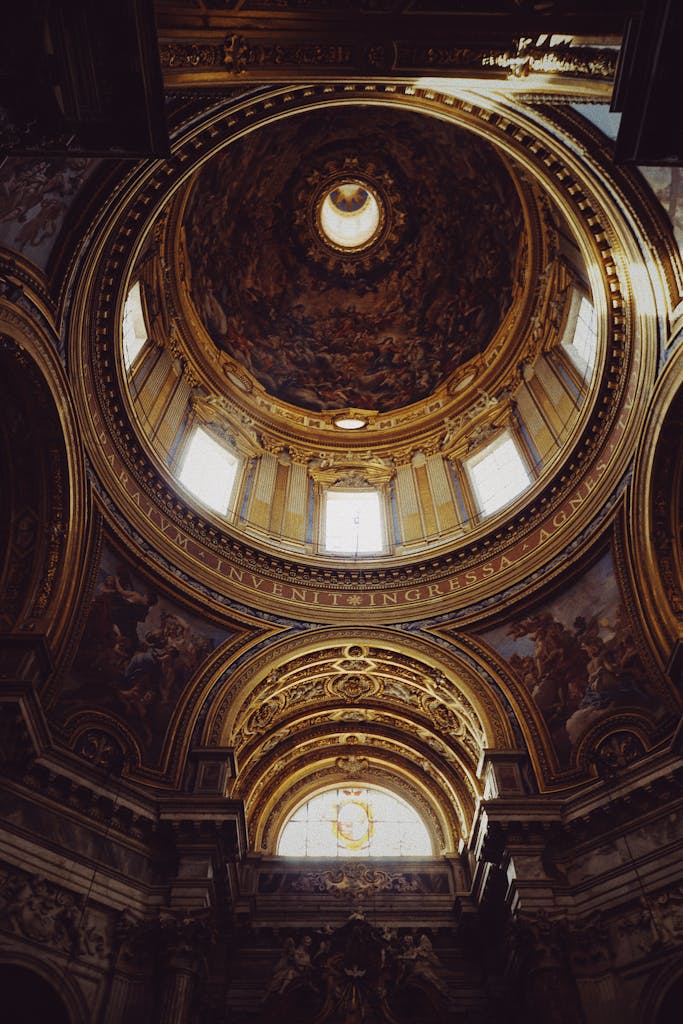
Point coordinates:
[(486, 450), (324, 493), (238, 465)]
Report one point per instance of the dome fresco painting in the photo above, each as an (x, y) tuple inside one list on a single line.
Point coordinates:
[(375, 336), (425, 331)]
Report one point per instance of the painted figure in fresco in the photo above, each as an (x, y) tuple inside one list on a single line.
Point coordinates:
[(114, 616), (136, 655), (560, 661), (577, 673), (615, 675), (36, 196), (379, 338), (148, 677)]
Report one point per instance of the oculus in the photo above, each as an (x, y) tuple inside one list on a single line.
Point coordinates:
[(350, 215), (350, 420)]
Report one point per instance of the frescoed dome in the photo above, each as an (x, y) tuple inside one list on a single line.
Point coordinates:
[(355, 257)]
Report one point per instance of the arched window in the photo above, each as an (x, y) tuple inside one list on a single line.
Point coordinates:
[(355, 821)]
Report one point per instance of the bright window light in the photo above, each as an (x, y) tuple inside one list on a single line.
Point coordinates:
[(498, 474), (353, 522), (585, 340), (134, 330), (355, 822), (581, 337), (209, 471), (350, 215)]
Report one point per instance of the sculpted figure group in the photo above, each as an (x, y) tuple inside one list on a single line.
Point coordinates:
[(357, 971)]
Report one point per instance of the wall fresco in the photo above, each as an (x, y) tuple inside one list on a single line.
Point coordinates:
[(577, 658), (137, 653), (35, 196)]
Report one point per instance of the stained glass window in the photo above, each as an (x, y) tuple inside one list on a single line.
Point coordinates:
[(355, 821)]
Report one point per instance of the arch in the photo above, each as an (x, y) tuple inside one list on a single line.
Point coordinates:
[(43, 480), (669, 1009), (38, 990), (441, 798), (380, 706), (656, 506), (27, 997), (660, 1001), (260, 677)]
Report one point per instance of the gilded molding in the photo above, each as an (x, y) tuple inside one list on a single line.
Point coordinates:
[(409, 588), (654, 516), (258, 58), (28, 338), (444, 675)]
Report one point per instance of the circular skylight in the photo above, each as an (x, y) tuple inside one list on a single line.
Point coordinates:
[(350, 215)]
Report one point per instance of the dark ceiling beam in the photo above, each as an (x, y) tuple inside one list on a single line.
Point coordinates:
[(81, 78), (438, 23), (647, 89), (215, 44)]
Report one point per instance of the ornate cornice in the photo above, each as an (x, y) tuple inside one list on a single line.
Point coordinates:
[(259, 53)]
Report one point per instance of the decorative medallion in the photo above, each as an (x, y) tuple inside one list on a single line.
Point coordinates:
[(353, 687), (102, 750), (617, 751)]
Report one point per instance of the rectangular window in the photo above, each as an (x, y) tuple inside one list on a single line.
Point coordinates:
[(581, 335), (133, 330), (209, 471), (498, 474), (353, 522)]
